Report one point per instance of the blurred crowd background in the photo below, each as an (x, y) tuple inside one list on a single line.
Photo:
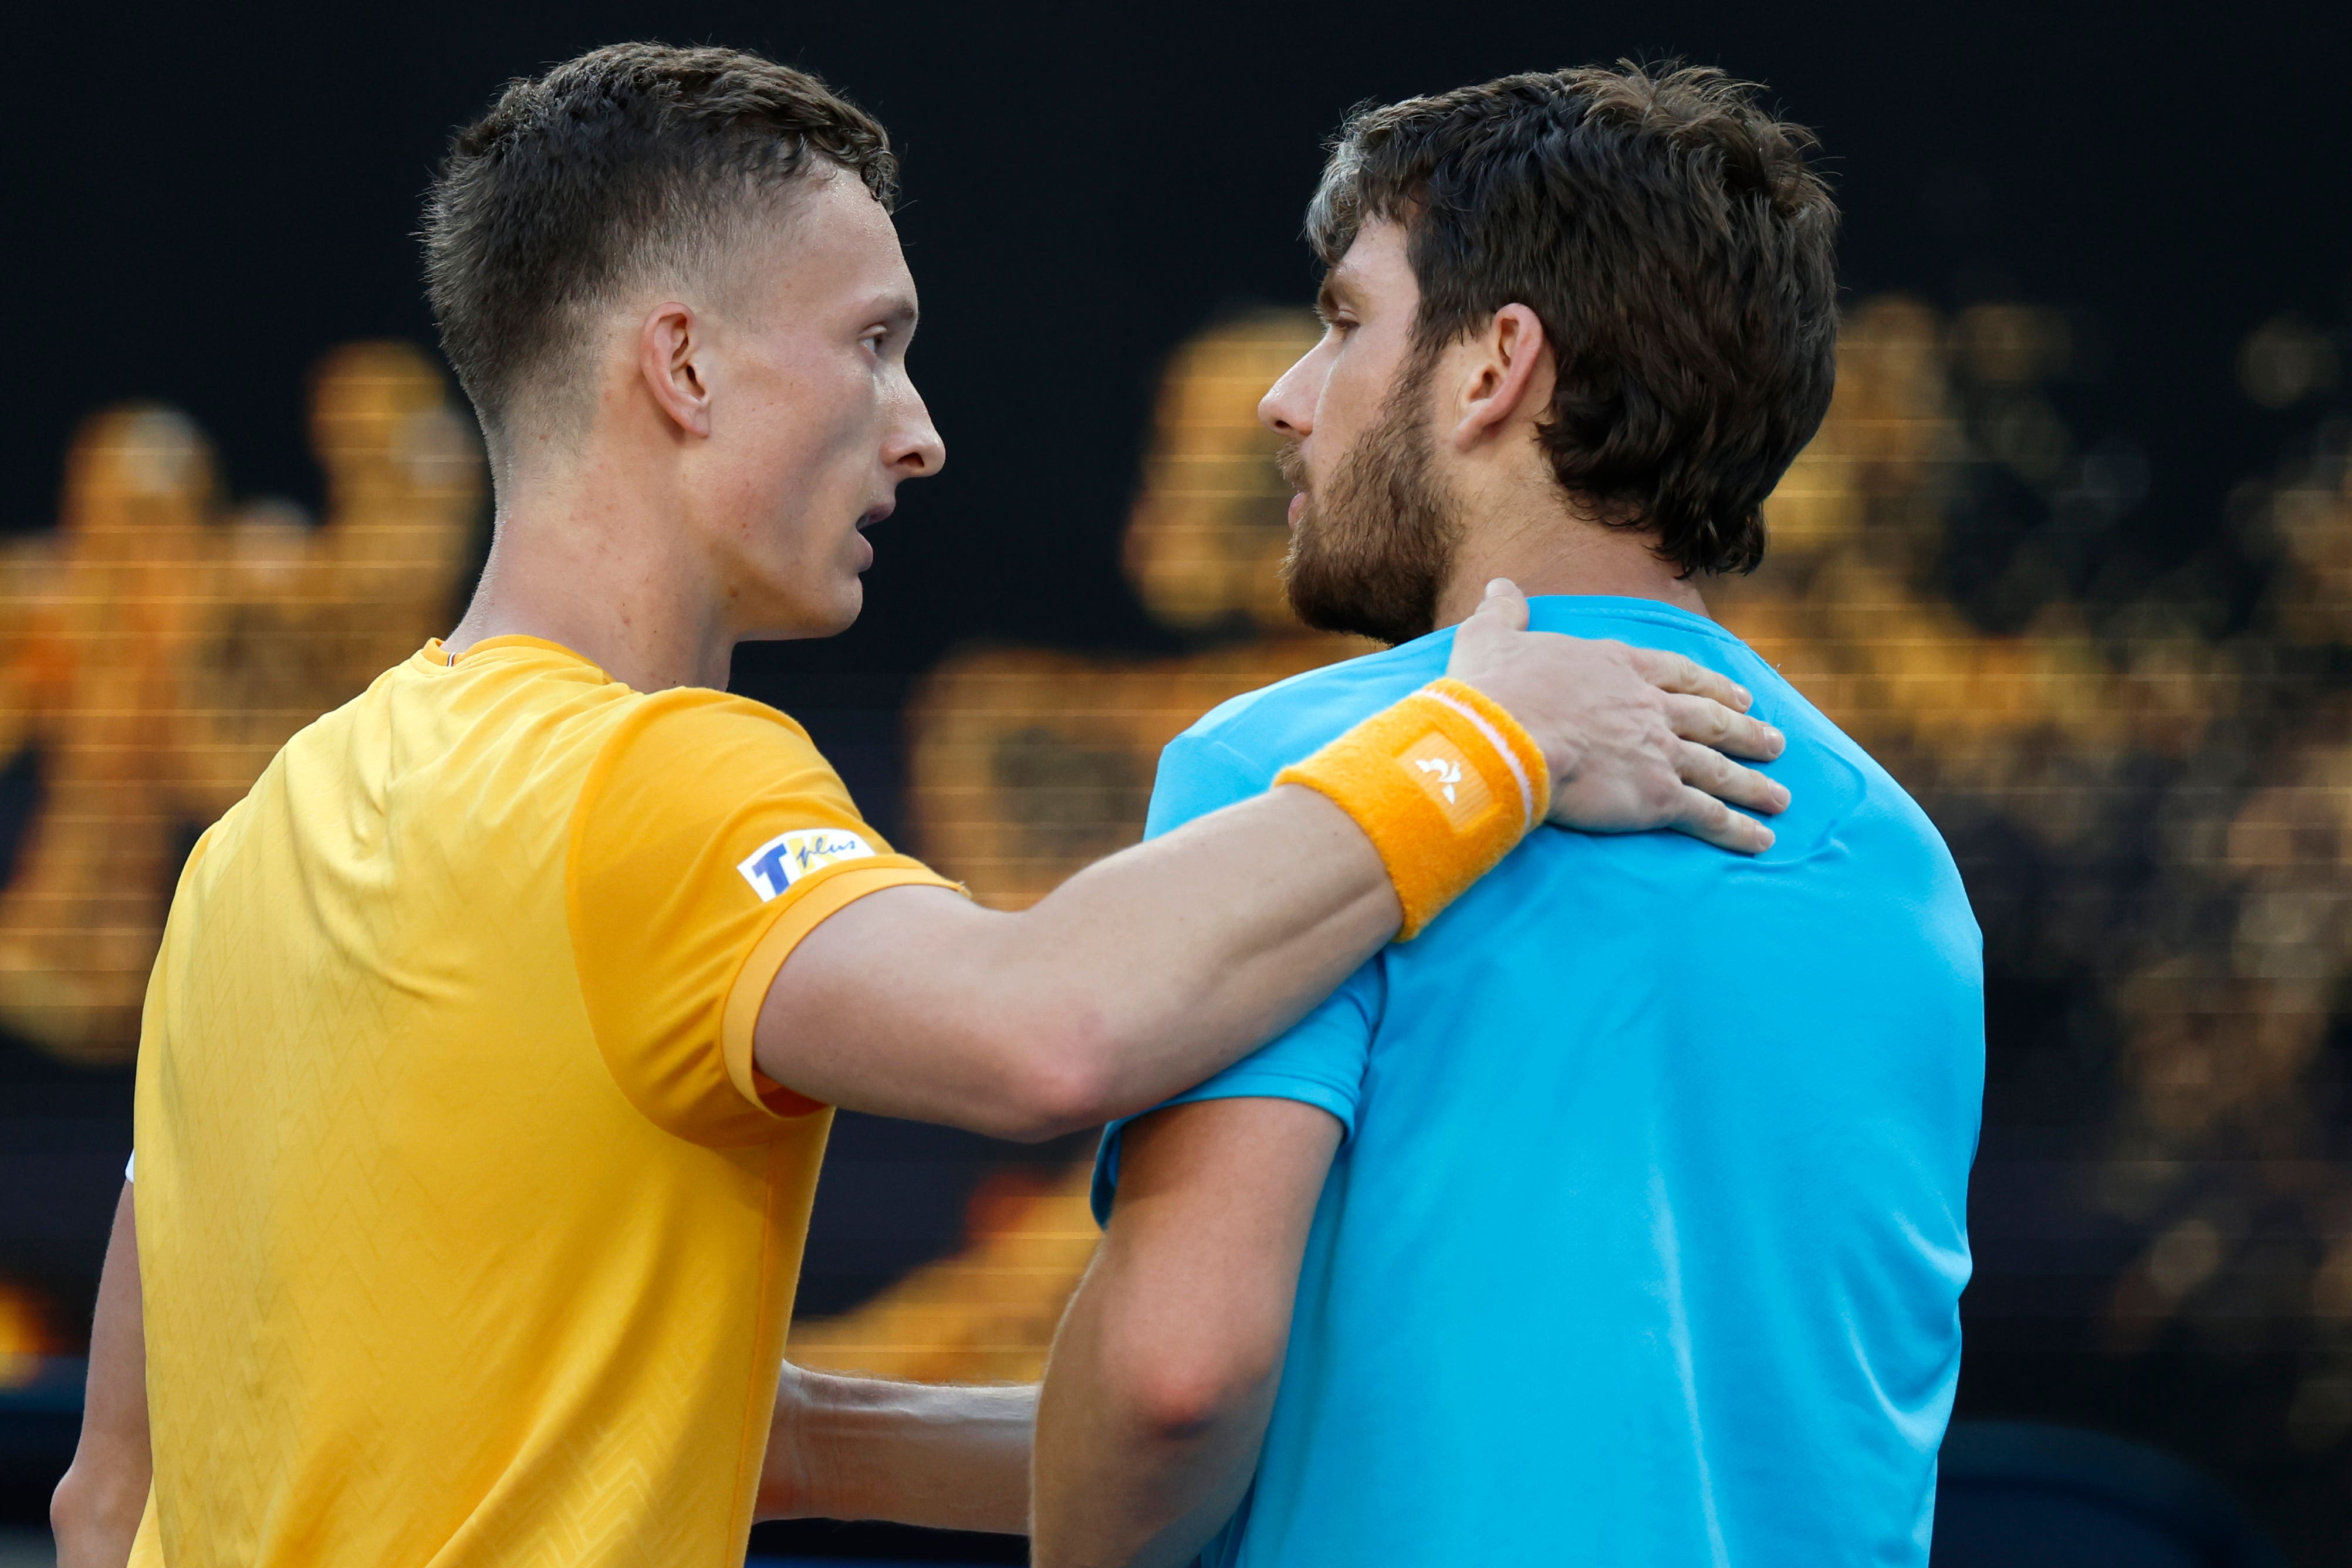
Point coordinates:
[(2071, 555)]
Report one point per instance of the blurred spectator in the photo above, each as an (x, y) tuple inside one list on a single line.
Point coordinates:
[(155, 654)]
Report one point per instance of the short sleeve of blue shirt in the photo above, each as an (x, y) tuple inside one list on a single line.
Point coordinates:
[(1320, 1060)]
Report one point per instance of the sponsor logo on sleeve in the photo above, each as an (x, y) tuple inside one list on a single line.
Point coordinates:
[(788, 856)]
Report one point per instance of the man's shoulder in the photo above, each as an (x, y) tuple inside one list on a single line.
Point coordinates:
[(689, 720), (546, 738), (565, 725), (1270, 728), (1842, 796)]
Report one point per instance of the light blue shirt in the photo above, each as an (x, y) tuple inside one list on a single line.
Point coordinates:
[(1645, 1242)]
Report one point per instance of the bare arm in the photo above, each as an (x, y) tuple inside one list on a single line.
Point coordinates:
[(1164, 1372), (96, 1507), (1137, 978), (1150, 970), (851, 1447)]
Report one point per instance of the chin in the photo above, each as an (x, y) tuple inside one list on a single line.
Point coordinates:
[(840, 612), (797, 618)]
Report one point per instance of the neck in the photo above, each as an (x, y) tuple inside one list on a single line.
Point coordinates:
[(1546, 549), (592, 554)]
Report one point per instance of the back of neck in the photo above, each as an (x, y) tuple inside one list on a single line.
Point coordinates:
[(589, 567), (1560, 554)]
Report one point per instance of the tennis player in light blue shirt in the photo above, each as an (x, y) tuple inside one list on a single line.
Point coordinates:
[(1628, 1255), (1619, 1218)]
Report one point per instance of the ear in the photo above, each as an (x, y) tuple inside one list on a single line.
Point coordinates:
[(1507, 368), (670, 345)]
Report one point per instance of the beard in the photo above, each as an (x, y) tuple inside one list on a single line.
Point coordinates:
[(1372, 556)]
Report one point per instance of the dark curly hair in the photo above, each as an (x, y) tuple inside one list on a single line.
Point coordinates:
[(630, 159), (1677, 248)]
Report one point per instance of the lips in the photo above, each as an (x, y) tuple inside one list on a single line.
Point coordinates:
[(1292, 460), (867, 519)]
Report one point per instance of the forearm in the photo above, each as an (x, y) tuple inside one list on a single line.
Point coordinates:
[(95, 1509), (1139, 978), (944, 1457), (1128, 1474), (1188, 951)]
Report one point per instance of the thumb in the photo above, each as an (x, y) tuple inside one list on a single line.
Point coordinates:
[(1504, 607)]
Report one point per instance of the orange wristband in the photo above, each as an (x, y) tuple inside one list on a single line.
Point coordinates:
[(1444, 783)]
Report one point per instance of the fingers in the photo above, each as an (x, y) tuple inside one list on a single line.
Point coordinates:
[(1485, 638), (1704, 816), (1504, 605), (1710, 723), (1673, 672), (1704, 769)]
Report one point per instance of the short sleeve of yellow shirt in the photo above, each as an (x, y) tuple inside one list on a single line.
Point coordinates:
[(711, 837)]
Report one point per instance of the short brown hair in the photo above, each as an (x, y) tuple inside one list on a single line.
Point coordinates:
[(577, 183), (1675, 244)]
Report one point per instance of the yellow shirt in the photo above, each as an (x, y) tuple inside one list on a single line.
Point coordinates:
[(467, 1229)]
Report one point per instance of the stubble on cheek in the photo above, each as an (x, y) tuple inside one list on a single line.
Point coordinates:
[(1372, 551)]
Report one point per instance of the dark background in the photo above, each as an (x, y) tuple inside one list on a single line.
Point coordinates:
[(201, 201)]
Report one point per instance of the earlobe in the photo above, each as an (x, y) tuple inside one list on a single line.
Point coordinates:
[(670, 346)]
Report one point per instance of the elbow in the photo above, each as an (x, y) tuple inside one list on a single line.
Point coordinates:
[(1060, 1077), (69, 1509), (1179, 1381), (1187, 1397), (95, 1511), (85, 1515)]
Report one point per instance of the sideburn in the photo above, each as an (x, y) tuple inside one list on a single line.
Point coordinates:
[(1373, 556)]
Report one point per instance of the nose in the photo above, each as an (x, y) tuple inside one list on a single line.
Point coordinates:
[(914, 450), (1287, 409)]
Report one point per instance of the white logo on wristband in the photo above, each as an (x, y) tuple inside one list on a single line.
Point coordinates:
[(1502, 749), (1445, 775)]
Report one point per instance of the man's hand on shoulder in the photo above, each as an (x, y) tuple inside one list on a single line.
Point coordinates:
[(1158, 966), (1636, 738)]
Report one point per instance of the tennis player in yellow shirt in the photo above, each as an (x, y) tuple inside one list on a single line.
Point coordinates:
[(488, 1056)]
